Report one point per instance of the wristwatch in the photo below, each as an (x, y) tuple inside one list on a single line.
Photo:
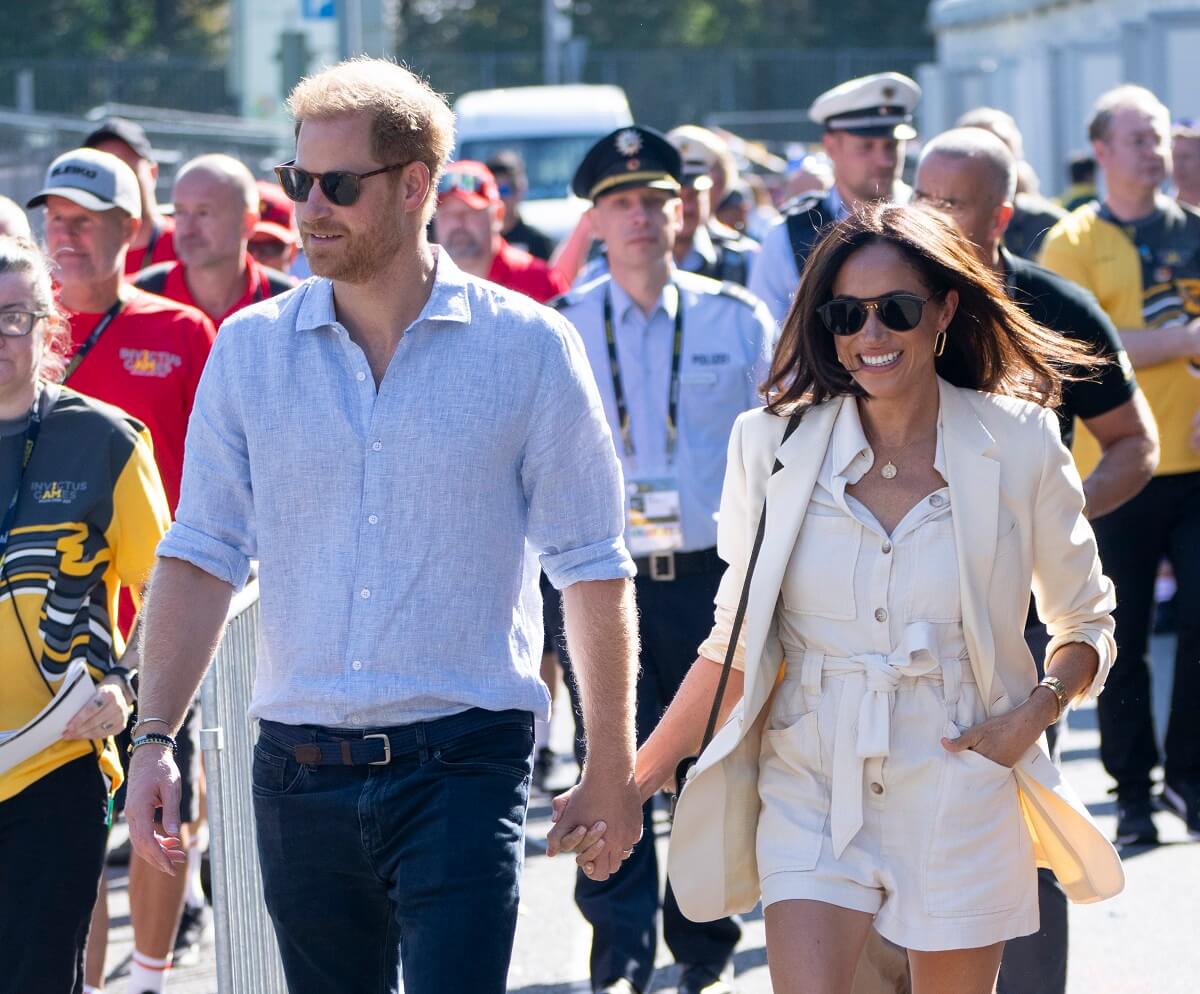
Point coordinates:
[(1059, 689)]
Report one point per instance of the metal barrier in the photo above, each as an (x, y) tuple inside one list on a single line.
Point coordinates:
[(247, 957)]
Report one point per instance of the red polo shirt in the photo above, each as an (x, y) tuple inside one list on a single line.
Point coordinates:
[(518, 270), (160, 247), (257, 287), (148, 362)]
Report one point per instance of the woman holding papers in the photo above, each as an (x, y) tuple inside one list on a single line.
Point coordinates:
[(81, 511)]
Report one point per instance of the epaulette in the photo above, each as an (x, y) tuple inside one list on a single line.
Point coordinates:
[(803, 203), (739, 293)]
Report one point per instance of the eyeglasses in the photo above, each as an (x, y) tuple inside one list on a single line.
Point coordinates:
[(18, 324), (340, 187), (898, 311), (465, 183)]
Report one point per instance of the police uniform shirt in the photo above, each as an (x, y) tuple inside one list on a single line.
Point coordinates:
[(727, 341), (721, 259)]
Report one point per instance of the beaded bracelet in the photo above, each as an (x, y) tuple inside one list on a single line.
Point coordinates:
[(154, 738)]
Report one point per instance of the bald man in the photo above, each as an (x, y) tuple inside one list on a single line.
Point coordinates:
[(216, 210), (13, 220)]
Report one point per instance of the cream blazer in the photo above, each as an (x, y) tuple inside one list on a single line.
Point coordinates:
[(1018, 525)]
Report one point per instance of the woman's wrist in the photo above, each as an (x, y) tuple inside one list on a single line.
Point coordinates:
[(1044, 703)]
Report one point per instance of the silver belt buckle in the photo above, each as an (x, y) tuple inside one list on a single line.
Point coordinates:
[(387, 748), (662, 566)]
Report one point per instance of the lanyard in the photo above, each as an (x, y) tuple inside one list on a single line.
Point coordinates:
[(32, 430), (101, 326), (614, 365), (148, 258)]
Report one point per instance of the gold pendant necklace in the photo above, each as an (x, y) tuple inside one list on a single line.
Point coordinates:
[(889, 470)]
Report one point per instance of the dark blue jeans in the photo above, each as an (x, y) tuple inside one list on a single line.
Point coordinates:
[(419, 861)]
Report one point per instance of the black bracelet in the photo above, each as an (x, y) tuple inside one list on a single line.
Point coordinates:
[(156, 738)]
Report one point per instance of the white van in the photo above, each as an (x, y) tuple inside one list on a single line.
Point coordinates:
[(551, 128)]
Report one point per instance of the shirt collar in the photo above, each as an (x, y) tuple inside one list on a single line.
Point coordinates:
[(449, 300), (851, 452), (622, 303), (702, 245)]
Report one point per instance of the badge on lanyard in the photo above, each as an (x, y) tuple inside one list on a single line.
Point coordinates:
[(652, 518)]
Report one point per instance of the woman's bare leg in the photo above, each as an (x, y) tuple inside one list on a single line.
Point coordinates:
[(813, 947), (963, 971)]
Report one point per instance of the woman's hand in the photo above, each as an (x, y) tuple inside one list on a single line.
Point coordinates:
[(587, 844), (1005, 738), (104, 715)]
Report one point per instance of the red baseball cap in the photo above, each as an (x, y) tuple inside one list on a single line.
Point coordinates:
[(469, 181), (269, 231), (273, 204)]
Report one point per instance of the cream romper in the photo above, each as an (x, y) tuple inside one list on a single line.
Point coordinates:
[(862, 807)]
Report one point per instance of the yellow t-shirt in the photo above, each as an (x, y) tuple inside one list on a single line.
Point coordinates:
[(1145, 276), (91, 511)]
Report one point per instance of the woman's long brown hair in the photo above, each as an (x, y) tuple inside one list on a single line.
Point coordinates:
[(991, 345)]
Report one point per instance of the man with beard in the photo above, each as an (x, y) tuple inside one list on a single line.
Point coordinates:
[(216, 211), (469, 222), (867, 122), (399, 445)]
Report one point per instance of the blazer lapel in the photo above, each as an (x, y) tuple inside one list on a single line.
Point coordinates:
[(788, 492), (974, 479)]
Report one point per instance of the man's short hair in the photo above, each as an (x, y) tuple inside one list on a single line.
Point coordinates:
[(508, 162), (998, 122), (1120, 98), (979, 145), (409, 121), (13, 220), (1082, 168), (228, 169)]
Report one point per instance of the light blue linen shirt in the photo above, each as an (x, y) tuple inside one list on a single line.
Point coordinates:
[(398, 531), (728, 340)]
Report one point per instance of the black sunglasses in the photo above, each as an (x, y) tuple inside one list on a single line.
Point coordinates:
[(898, 311), (340, 187)]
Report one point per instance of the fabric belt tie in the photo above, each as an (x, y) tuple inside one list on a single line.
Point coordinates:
[(863, 728)]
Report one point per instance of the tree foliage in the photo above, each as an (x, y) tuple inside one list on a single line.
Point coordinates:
[(114, 28)]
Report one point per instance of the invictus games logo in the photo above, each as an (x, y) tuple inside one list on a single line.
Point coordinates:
[(57, 491), (143, 362)]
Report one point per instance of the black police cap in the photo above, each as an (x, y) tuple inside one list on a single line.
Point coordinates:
[(632, 156)]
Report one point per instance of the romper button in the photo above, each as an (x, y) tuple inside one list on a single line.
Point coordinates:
[(876, 788), (886, 547), (880, 614), (937, 500)]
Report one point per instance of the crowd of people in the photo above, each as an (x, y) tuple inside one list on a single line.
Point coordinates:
[(974, 412)]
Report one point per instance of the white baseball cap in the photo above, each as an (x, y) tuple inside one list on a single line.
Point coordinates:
[(95, 180)]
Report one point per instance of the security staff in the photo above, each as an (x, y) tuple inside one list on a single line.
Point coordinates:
[(677, 358), (704, 245), (867, 121)]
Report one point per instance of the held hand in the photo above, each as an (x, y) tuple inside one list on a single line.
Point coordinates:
[(593, 801), (1005, 738), (581, 840), (104, 715), (154, 783)]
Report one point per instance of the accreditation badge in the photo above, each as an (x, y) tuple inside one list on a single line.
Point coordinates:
[(652, 518)]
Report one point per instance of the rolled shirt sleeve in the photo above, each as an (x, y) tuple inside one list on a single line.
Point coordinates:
[(214, 523), (571, 475), (774, 277), (1074, 598)]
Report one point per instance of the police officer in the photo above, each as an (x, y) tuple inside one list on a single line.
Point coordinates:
[(704, 245), (867, 121), (677, 358)]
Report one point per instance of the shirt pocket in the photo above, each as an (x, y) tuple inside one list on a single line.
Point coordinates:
[(930, 573), (820, 574)]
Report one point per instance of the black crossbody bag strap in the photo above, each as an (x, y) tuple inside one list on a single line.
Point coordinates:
[(738, 618)]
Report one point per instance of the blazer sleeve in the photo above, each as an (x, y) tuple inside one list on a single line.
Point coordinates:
[(735, 538), (1074, 597)]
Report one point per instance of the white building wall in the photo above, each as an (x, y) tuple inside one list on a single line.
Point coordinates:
[(1046, 62)]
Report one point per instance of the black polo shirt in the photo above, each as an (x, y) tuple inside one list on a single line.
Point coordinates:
[(1074, 313)]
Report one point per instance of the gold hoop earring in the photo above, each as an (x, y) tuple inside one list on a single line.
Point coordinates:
[(939, 342)]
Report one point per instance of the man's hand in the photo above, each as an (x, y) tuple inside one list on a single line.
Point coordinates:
[(153, 784), (614, 812), (104, 715), (1005, 738)]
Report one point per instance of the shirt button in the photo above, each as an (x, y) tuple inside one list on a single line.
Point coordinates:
[(880, 614), (357, 664), (876, 788), (365, 593), (360, 376), (377, 445), (372, 519), (886, 548), (937, 500)]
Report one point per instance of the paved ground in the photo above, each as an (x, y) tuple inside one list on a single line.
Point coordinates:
[(1147, 941)]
